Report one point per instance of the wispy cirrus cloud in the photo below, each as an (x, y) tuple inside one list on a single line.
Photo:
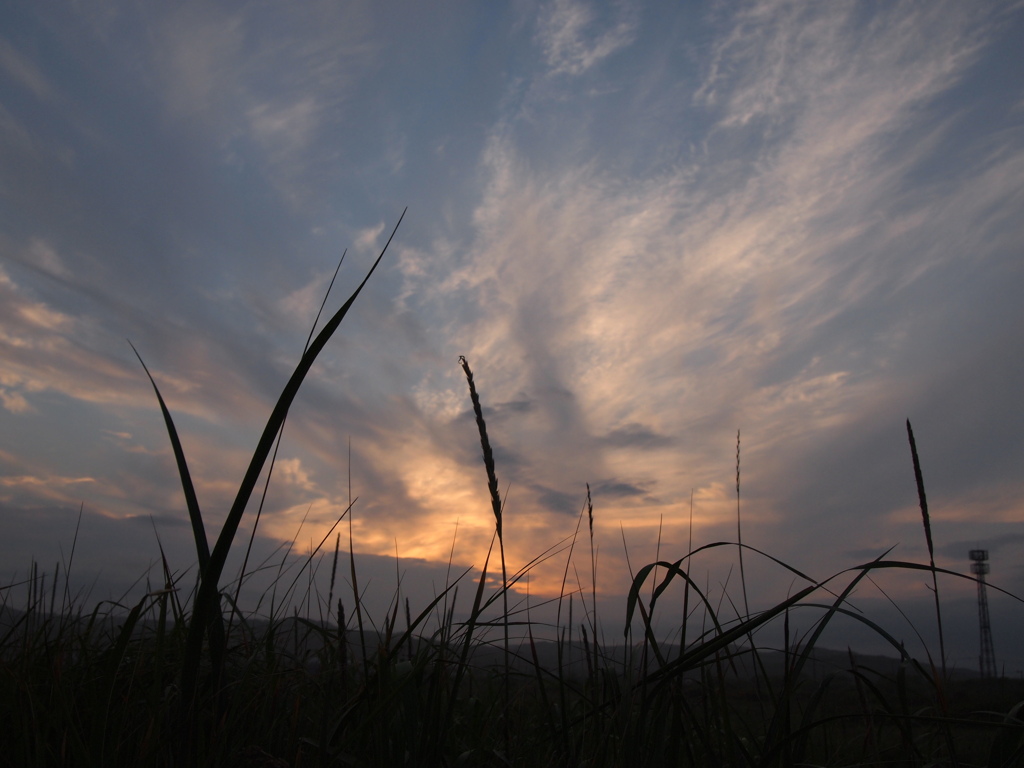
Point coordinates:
[(264, 100), (759, 284), (575, 37), (24, 71)]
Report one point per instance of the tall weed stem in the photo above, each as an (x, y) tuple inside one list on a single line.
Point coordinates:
[(923, 501)]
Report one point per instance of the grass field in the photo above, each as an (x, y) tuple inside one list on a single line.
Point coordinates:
[(184, 677)]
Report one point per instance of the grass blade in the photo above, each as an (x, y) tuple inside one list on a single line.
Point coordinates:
[(215, 623), (207, 597), (192, 502), (923, 501)]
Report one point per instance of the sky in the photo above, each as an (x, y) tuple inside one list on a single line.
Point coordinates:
[(647, 226)]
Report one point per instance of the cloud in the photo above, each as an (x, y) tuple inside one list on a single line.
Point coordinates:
[(287, 128), (22, 70), (198, 50), (14, 402), (565, 32), (43, 482), (559, 502), (614, 489), (635, 435), (292, 473), (779, 60), (762, 283), (263, 94), (44, 350), (45, 257), (368, 239)]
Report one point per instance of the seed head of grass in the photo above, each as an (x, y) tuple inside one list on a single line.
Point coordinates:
[(492, 478)]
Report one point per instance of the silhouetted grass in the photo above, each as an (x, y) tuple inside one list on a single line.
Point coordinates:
[(183, 677)]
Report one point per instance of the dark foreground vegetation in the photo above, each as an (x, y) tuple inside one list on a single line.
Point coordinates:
[(84, 689), (184, 678)]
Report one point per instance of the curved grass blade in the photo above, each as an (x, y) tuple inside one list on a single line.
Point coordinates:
[(216, 625), (674, 569), (875, 564), (723, 638), (191, 501)]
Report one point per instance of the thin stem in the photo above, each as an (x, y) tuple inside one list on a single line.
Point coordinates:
[(739, 529), (923, 501)]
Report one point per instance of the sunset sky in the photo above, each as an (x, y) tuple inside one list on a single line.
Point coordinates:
[(646, 225)]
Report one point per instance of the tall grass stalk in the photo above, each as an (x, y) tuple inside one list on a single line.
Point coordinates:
[(923, 502), (739, 529), (353, 573), (593, 574), (496, 506)]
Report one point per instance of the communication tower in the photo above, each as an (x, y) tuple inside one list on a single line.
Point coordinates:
[(987, 656)]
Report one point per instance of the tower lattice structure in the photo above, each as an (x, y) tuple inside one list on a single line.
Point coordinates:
[(987, 654)]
